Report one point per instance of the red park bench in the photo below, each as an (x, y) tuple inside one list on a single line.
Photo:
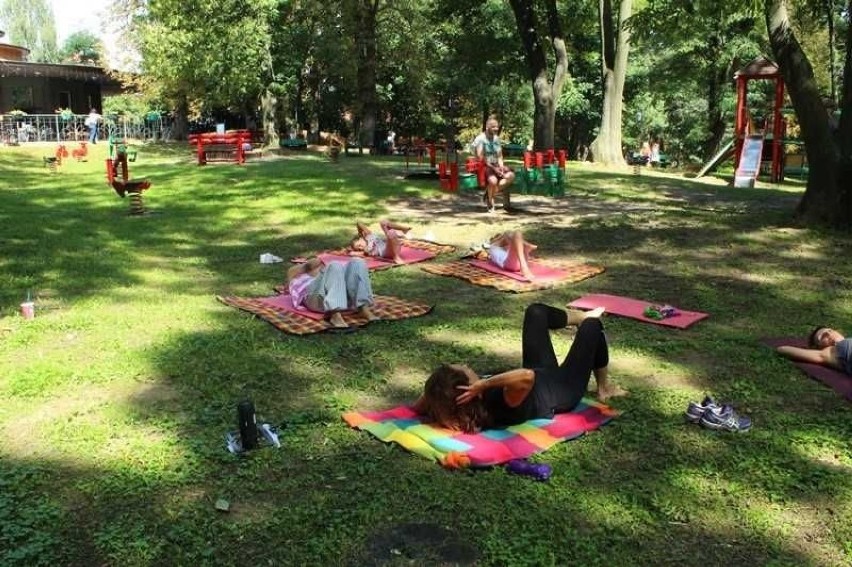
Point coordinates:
[(232, 146)]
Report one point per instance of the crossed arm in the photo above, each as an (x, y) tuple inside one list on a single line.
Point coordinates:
[(516, 386)]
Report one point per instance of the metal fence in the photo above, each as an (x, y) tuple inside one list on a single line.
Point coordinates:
[(56, 128)]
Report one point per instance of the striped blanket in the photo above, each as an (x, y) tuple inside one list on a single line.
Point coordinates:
[(455, 449)]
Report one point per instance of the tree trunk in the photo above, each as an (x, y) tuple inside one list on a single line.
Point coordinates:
[(827, 196), (269, 113), (545, 92), (716, 124), (606, 148), (365, 43), (180, 128)]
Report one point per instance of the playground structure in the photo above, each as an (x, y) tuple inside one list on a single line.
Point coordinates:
[(124, 185), (114, 143), (418, 150), (759, 145), (54, 161), (80, 152)]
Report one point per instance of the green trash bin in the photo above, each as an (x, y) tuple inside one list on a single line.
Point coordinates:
[(468, 182)]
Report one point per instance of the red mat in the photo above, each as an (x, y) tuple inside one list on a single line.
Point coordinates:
[(542, 272), (285, 303), (274, 311), (409, 256), (413, 251), (834, 379), (635, 309)]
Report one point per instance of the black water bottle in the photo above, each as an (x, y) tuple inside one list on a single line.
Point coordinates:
[(248, 425)]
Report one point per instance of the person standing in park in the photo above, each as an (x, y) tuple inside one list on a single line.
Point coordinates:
[(91, 123), (498, 177)]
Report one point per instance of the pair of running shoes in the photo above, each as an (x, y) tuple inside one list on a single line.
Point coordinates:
[(718, 417)]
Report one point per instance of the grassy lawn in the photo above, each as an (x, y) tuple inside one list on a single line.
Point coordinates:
[(114, 401)]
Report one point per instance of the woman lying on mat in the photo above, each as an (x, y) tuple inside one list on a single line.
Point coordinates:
[(456, 398), (331, 289), (826, 346), (388, 246), (509, 251)]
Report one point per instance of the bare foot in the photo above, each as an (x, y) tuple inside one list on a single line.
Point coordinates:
[(337, 320), (529, 276), (398, 260), (595, 313), (368, 313), (611, 391)]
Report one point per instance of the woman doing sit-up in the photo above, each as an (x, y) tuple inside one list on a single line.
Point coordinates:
[(331, 289), (388, 246), (826, 346), (457, 398), (509, 251)]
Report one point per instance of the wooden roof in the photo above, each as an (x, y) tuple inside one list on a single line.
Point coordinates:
[(760, 68)]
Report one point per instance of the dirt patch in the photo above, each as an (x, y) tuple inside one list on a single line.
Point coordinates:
[(417, 544)]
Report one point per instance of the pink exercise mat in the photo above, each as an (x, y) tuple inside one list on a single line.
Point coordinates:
[(834, 379), (541, 272), (285, 303), (408, 254), (635, 309)]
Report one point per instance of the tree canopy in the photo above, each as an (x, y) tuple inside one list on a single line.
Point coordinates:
[(437, 69)]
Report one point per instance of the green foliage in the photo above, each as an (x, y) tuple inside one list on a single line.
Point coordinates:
[(30, 24), (82, 47), (215, 53), (136, 105)]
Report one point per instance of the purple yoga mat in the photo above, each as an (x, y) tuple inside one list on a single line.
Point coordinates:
[(834, 379)]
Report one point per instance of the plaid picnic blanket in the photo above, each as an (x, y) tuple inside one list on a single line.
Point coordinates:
[(433, 248), (387, 307), (466, 270), (455, 449)]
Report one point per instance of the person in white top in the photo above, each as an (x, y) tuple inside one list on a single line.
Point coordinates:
[(498, 177), (91, 123), (388, 247)]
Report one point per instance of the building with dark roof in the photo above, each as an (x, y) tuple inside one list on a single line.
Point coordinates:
[(42, 88)]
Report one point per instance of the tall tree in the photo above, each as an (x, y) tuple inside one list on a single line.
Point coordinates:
[(81, 47), (30, 24), (694, 49), (615, 46), (364, 18), (207, 55), (828, 196), (547, 87)]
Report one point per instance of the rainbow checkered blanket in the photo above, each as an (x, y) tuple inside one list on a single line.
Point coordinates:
[(455, 449)]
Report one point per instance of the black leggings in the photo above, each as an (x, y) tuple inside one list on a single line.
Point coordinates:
[(567, 382)]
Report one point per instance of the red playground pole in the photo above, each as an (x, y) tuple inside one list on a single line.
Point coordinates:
[(563, 156), (432, 155), (454, 177)]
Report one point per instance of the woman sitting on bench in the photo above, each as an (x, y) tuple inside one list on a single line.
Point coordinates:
[(826, 346), (331, 289), (387, 247), (455, 397)]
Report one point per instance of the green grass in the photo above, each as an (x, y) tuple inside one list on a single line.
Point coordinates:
[(115, 399)]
